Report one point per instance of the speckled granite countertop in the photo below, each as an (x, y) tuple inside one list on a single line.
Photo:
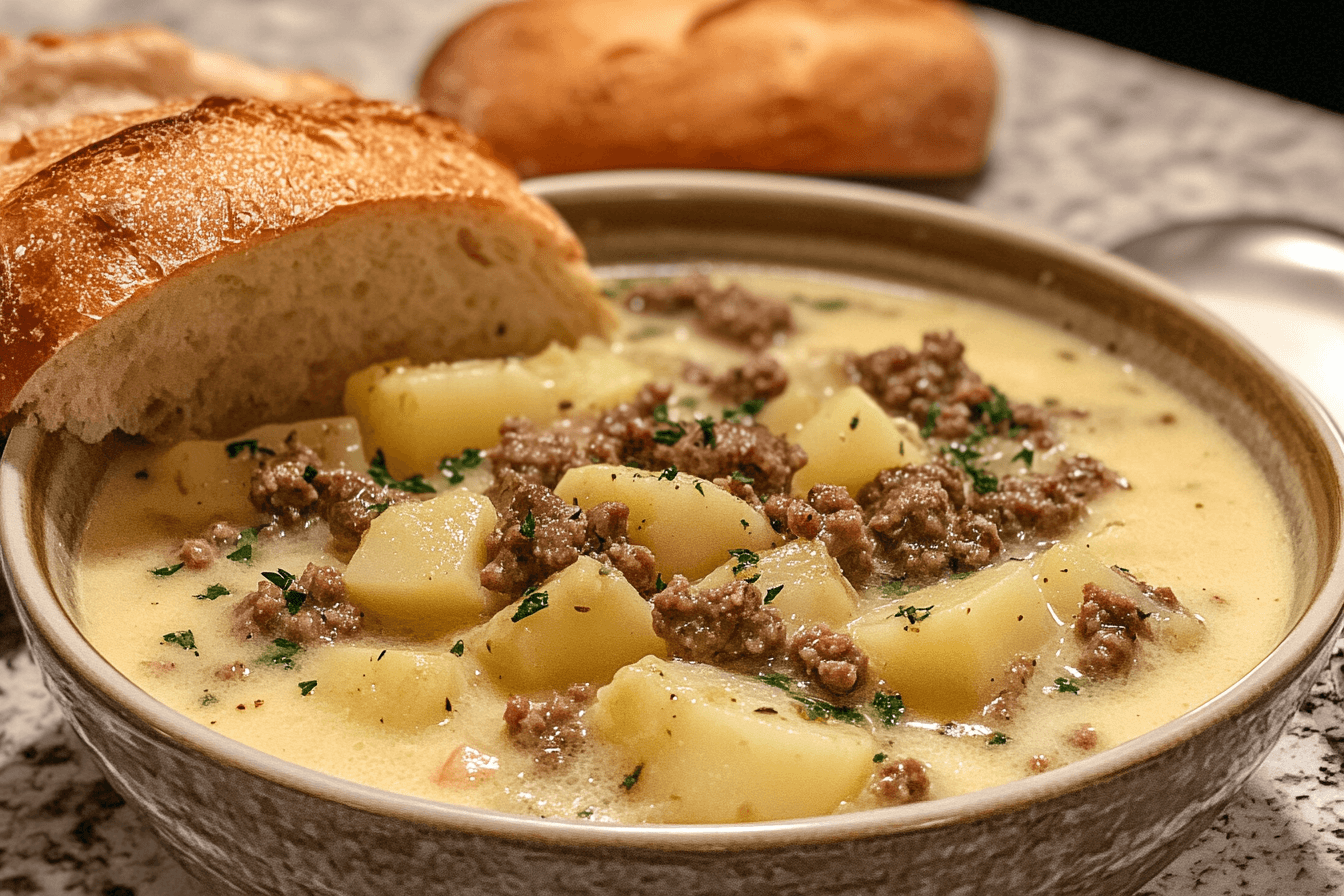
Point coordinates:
[(1094, 142)]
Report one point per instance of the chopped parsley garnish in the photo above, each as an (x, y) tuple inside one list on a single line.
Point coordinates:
[(457, 649), (378, 473), (739, 476), (930, 420), (377, 508), (281, 654), (749, 408), (534, 601), (528, 527), (914, 615), (283, 579), (659, 414), (669, 474), (1026, 455), (247, 539), (879, 757), (209, 700), (897, 588), (234, 449), (1066, 685), (184, 639), (585, 813), (309, 473), (744, 559), (776, 680), (813, 708), (659, 584), (167, 570), (707, 431), (669, 436), (699, 486), (889, 707), (306, 687), (829, 304), (294, 600), (997, 739), (996, 410), (213, 592), (633, 778), (853, 422), (983, 482), (452, 467), (772, 593)]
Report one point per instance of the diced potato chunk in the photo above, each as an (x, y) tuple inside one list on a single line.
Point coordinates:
[(197, 482), (419, 415), (593, 623), (690, 524), (419, 564), (850, 439), (949, 664), (812, 587), (709, 754), (392, 686)]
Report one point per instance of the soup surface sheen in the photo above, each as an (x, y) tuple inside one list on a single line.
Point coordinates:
[(1193, 514)]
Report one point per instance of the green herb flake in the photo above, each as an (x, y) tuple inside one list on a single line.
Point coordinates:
[(235, 449), (209, 700), (1026, 455), (879, 757), (281, 653), (997, 409), (294, 600), (659, 414), (744, 558), (739, 476), (749, 408), (452, 467), (830, 304), (699, 486), (1066, 685), (659, 584), (814, 709), (669, 474), (309, 473), (633, 778), (930, 420), (282, 579), (247, 539), (913, 615), (772, 593), (377, 508), (213, 592), (853, 422), (378, 473), (528, 527), (306, 687), (458, 649), (707, 431), (889, 707), (997, 739), (745, 524), (163, 571), (585, 813), (776, 680), (534, 601), (184, 639), (670, 436), (897, 588)]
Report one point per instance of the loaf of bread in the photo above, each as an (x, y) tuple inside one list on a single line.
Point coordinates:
[(233, 262), (48, 79), (875, 87)]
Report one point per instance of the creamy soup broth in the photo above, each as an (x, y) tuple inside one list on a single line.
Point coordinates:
[(1197, 517)]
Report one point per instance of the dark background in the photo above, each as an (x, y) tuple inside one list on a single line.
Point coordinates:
[(1291, 48)]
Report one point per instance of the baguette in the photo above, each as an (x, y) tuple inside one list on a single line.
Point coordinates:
[(233, 262), (876, 87)]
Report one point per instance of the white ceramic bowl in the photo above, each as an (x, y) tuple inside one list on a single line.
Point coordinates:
[(245, 822)]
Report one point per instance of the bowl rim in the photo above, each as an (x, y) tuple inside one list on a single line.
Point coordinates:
[(47, 619)]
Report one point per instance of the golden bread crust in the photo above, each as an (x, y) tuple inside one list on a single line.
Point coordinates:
[(880, 87)]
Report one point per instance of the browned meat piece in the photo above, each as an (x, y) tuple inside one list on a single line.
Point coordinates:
[(1110, 626), (924, 525), (1014, 680), (1084, 738), (233, 672), (762, 378), (731, 313), (348, 501), (324, 613), (1043, 506), (902, 781), (636, 563), (831, 659), (549, 728), (910, 384), (539, 454), (607, 540), (716, 624), (831, 515), (1038, 763), (222, 534), (739, 488), (279, 484), (538, 534), (749, 450), (198, 553)]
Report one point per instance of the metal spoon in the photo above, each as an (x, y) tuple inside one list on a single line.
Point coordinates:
[(1280, 283)]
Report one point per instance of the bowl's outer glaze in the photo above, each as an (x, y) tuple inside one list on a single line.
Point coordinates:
[(247, 823)]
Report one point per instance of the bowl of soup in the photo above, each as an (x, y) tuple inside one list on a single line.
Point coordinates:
[(887, 549)]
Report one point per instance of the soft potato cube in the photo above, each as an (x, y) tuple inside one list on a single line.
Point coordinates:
[(392, 686), (708, 754), (588, 377), (811, 380), (593, 623), (419, 415), (419, 564), (948, 664), (690, 524), (850, 439), (811, 586), (194, 483)]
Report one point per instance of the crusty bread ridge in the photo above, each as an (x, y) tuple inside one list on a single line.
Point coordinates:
[(232, 263), (50, 78), (878, 87)]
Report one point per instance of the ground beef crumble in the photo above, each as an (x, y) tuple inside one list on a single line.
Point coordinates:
[(902, 781), (831, 659), (832, 516), (731, 313), (717, 625), (761, 378), (549, 728), (1110, 626), (1014, 680), (326, 614)]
